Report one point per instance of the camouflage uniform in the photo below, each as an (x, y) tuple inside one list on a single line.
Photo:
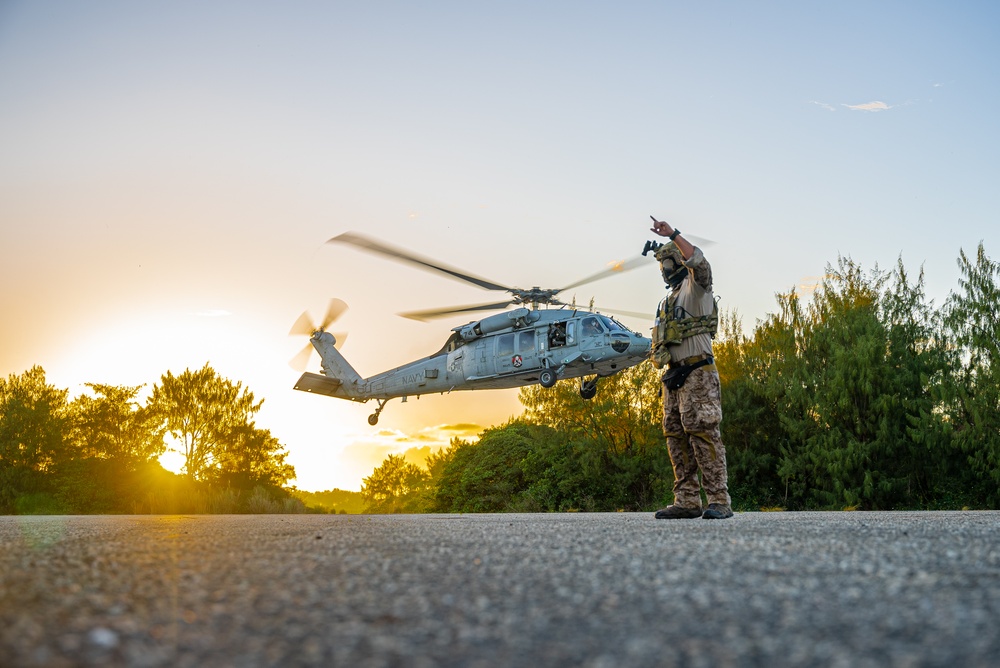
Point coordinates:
[(692, 414)]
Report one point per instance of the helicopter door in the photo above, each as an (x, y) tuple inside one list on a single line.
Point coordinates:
[(507, 361), (591, 333), (527, 350), (484, 357), (516, 352)]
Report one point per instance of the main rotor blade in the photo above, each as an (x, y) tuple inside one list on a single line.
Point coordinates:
[(631, 314), (364, 243), (699, 241), (619, 267), (441, 313)]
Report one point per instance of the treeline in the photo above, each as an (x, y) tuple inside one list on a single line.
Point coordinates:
[(863, 396), (334, 501), (98, 452)]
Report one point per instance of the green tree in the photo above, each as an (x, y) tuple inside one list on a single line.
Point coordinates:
[(486, 476), (751, 428), (251, 457), (212, 419), (113, 426), (616, 437), (973, 407), (33, 428), (396, 486), (850, 378)]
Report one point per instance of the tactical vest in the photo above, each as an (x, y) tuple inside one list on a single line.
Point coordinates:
[(669, 329)]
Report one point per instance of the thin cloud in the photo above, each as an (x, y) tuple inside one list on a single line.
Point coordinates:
[(869, 106), (465, 427), (828, 107)]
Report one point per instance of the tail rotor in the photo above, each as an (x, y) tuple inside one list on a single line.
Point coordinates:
[(305, 326)]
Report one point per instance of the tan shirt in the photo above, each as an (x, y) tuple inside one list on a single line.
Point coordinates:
[(694, 296)]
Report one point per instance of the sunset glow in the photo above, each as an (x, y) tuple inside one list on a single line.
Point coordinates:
[(170, 174)]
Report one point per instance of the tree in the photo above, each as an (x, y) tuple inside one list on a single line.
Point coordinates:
[(487, 476), (208, 415), (113, 426), (617, 436), (751, 428), (251, 457), (974, 393), (850, 378), (396, 486), (33, 425)]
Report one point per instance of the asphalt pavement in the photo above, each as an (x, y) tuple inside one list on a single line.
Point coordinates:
[(600, 590)]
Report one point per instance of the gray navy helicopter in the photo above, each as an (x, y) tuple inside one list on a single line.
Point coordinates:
[(514, 348)]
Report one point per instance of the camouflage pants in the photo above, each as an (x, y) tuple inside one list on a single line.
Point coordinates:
[(691, 418)]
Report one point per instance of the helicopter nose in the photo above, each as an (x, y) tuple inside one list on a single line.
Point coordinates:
[(640, 346)]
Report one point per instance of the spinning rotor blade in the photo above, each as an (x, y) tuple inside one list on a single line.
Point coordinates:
[(364, 243), (619, 267), (699, 241), (631, 314), (301, 360), (334, 310), (441, 313), (304, 325)]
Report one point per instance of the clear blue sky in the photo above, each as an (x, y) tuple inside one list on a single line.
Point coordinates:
[(169, 172)]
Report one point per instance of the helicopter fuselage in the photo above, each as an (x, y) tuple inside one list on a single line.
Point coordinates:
[(510, 349)]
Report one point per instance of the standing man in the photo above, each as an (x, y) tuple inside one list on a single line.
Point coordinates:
[(686, 321)]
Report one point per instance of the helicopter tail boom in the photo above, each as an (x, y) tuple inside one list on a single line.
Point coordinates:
[(339, 378)]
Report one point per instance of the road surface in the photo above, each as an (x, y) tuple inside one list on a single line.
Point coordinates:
[(600, 590)]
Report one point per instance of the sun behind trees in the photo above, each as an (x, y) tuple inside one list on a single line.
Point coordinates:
[(99, 452)]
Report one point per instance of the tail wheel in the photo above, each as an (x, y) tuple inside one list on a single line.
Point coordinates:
[(373, 418), (588, 388)]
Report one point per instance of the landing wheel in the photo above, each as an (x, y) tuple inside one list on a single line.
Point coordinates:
[(547, 377), (588, 388), (373, 418)]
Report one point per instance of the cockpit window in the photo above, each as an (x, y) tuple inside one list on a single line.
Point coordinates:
[(591, 326), (611, 324)]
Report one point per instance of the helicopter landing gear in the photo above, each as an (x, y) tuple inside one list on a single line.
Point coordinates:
[(373, 418), (547, 377), (588, 388)]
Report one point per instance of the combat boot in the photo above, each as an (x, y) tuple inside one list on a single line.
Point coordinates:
[(677, 513), (717, 511)]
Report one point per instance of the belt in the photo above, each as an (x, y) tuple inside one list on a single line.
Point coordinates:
[(689, 361)]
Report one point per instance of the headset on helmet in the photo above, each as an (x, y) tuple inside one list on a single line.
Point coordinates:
[(671, 264)]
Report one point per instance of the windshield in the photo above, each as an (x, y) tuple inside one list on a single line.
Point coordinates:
[(611, 324)]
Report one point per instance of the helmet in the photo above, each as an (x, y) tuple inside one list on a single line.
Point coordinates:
[(671, 264)]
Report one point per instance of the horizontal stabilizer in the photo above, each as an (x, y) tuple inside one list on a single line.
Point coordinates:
[(317, 384)]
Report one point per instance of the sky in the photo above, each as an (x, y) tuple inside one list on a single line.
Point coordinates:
[(170, 173)]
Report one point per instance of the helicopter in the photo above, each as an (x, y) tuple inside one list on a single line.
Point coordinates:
[(514, 348)]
